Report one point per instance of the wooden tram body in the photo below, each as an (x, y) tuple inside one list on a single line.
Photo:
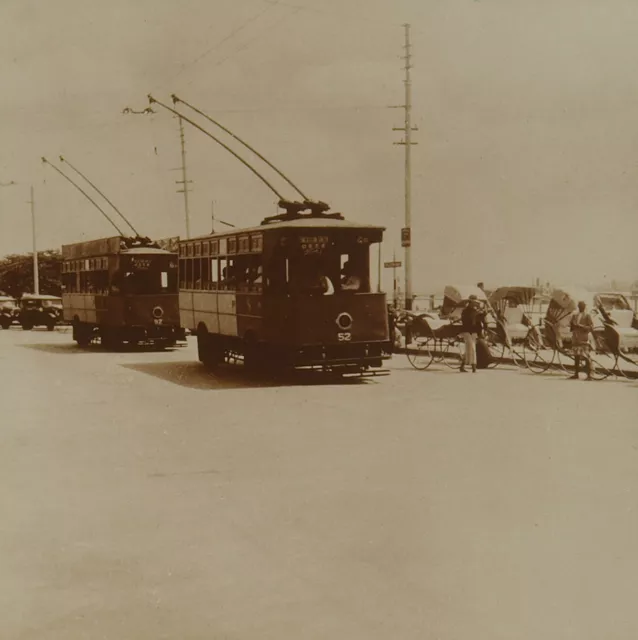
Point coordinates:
[(121, 290), (255, 293)]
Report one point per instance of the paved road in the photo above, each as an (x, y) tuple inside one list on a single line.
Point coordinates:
[(143, 498)]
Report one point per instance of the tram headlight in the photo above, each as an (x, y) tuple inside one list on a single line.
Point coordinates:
[(158, 312), (344, 321)]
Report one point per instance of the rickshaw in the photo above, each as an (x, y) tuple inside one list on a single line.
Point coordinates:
[(431, 338), (512, 319), (611, 340), (8, 311), (39, 310)]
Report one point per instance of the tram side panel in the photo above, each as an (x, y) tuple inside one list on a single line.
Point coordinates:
[(234, 315)]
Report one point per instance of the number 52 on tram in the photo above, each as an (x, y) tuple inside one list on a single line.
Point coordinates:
[(291, 293)]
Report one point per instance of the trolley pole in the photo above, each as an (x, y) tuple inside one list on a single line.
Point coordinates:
[(407, 129), (184, 182), (36, 274)]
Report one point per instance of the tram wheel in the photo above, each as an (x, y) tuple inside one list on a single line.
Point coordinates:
[(537, 359), (208, 351), (419, 353), (83, 339)]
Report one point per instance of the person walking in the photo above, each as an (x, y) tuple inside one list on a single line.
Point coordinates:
[(472, 323), (581, 326)]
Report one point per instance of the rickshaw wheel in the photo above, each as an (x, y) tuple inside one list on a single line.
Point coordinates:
[(598, 372), (620, 366), (536, 358), (450, 356), (419, 353), (496, 349), (561, 359)]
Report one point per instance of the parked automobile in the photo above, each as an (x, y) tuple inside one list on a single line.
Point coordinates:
[(36, 311), (8, 311)]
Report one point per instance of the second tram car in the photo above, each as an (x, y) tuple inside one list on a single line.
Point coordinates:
[(121, 290), (292, 293)]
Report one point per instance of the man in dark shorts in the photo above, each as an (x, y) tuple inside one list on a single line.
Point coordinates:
[(581, 326)]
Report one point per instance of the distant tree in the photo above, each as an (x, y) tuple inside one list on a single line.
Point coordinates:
[(16, 273)]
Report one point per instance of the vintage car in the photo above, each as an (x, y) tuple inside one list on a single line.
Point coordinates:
[(8, 311), (37, 310)]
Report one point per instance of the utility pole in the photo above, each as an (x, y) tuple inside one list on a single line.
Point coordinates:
[(406, 232), (36, 275), (394, 280), (184, 182)]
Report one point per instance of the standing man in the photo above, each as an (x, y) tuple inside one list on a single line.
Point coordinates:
[(581, 326), (472, 321)]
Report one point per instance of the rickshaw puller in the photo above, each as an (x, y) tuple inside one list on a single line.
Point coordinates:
[(581, 326), (472, 321)]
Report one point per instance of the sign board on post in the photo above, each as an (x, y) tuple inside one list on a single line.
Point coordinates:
[(392, 265), (405, 237)]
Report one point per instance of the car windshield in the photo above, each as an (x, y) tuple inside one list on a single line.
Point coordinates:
[(146, 274), (51, 303)]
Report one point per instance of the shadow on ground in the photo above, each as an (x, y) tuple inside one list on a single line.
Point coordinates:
[(194, 375), (71, 348)]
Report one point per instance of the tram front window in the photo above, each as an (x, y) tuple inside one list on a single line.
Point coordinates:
[(146, 275), (331, 273)]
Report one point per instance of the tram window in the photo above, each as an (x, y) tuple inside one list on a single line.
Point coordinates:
[(355, 277), (205, 273), (229, 274), (214, 273), (182, 273), (248, 271), (189, 274), (197, 273)]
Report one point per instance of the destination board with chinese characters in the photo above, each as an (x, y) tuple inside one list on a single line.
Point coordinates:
[(313, 244)]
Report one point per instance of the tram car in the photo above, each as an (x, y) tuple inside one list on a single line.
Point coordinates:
[(292, 293), (8, 311), (121, 290), (39, 311)]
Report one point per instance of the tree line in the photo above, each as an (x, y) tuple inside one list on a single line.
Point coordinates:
[(16, 273)]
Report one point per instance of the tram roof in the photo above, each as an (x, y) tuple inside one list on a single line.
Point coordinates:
[(109, 246), (299, 223)]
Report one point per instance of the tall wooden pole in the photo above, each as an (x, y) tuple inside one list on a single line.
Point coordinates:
[(36, 274), (408, 169)]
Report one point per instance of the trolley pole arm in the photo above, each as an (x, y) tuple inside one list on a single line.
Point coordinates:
[(62, 159), (86, 195), (152, 100), (176, 99)]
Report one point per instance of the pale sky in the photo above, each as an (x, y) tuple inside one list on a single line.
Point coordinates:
[(527, 162)]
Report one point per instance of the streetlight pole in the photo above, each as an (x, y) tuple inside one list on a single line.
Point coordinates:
[(36, 270)]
